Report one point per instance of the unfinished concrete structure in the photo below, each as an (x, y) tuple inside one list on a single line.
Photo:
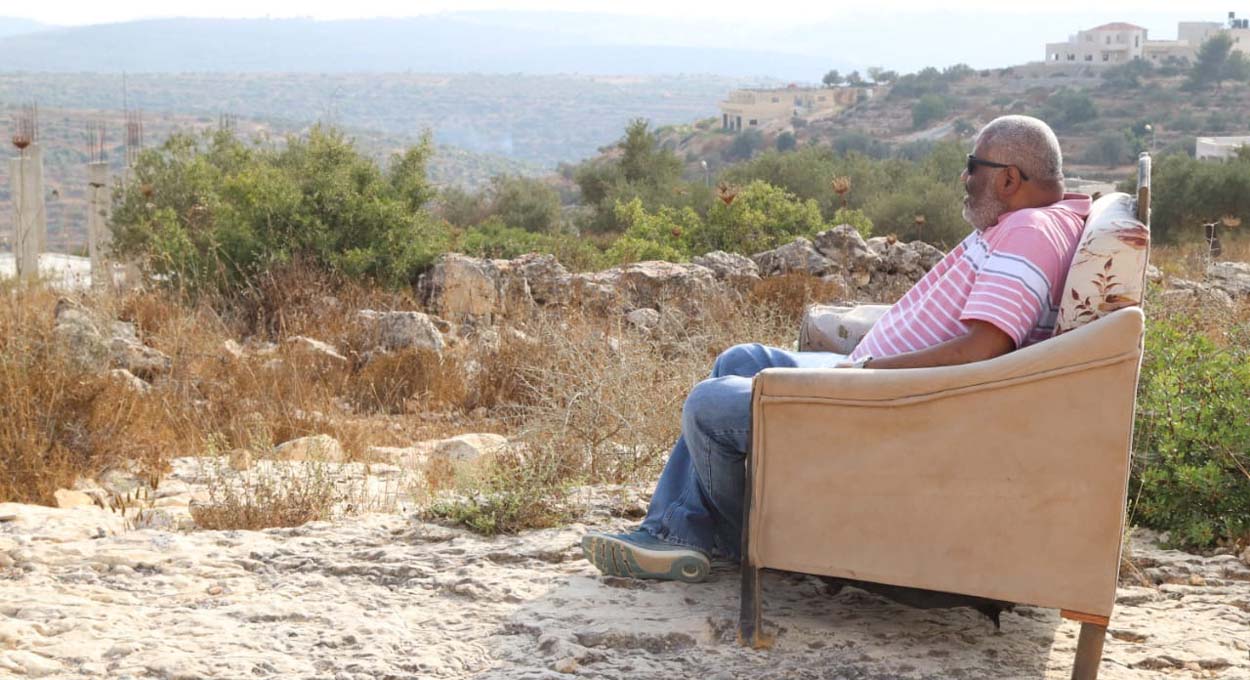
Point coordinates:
[(30, 217), (99, 238)]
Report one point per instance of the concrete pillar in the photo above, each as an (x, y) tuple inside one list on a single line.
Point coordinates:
[(35, 153), (28, 216), (99, 238)]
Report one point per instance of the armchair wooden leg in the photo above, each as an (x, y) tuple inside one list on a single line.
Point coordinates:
[(750, 612), (1089, 651), (750, 616)]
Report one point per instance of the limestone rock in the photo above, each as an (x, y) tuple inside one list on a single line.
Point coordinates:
[(130, 380), (461, 288), (796, 257), (594, 295), (734, 269), (402, 330), (137, 358), (657, 284), (231, 349), (1230, 277), (79, 335), (545, 279), (1153, 274), (844, 246), (318, 447), (1186, 291), (470, 447), (315, 349), (643, 318), (69, 498)]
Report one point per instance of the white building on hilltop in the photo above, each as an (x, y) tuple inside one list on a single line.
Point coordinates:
[(1120, 42), (1114, 43), (1219, 148)]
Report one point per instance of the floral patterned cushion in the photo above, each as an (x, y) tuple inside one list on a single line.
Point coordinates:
[(830, 328), (1109, 269)]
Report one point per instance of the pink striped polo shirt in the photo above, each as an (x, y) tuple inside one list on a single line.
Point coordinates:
[(1010, 275)]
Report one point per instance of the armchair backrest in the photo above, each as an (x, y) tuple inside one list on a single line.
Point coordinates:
[(1108, 271)]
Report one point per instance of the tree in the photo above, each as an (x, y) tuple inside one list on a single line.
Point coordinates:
[(210, 213), (786, 141), (1066, 108), (1127, 76), (760, 217), (1213, 59), (525, 203), (744, 145), (832, 79), (1111, 148), (854, 79), (929, 108)]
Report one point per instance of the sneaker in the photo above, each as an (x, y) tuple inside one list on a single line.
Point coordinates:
[(638, 554)]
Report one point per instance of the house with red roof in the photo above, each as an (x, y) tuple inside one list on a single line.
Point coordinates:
[(1114, 43), (1119, 42)]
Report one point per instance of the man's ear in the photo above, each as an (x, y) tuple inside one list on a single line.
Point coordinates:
[(1008, 181)]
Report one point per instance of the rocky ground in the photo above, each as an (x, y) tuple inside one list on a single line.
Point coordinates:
[(83, 594)]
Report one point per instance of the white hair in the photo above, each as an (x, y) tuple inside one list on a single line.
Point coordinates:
[(1025, 142)]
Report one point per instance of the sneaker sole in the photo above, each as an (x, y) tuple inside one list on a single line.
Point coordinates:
[(615, 557)]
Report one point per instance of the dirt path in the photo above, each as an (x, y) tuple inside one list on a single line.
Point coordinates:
[(386, 596)]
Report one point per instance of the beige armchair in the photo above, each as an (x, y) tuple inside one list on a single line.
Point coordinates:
[(1004, 479)]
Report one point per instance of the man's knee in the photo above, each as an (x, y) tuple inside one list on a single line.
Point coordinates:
[(744, 360), (718, 404)]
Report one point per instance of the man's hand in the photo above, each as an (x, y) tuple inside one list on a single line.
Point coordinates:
[(982, 341)]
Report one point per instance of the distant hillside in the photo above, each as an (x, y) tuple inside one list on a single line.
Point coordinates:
[(63, 131), (15, 26), (448, 43), (540, 120)]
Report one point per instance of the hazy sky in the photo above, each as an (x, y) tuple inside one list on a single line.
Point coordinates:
[(778, 13)]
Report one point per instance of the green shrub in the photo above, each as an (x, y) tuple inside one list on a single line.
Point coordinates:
[(1191, 472), (1067, 108), (211, 212), (525, 203), (854, 218), (761, 217), (929, 108)]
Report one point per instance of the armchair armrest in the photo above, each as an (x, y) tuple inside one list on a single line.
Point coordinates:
[(1003, 479), (830, 328)]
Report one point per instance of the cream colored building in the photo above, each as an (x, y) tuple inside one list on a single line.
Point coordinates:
[(1114, 43), (745, 109), (1219, 148), (1119, 42)]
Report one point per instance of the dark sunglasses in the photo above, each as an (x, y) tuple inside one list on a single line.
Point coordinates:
[(973, 162)]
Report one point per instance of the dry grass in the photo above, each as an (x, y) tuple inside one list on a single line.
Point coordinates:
[(1189, 260), (267, 495), (59, 421), (588, 398)]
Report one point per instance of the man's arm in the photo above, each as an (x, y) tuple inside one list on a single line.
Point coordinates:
[(982, 341)]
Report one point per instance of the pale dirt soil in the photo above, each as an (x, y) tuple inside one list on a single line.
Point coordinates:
[(385, 595)]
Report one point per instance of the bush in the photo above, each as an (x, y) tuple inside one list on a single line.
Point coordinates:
[(1111, 148), (525, 203), (1066, 108), (854, 218), (929, 108), (744, 145), (1191, 473), (211, 213), (786, 141), (761, 217)]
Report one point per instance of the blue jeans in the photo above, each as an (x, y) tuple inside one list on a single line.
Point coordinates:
[(698, 500)]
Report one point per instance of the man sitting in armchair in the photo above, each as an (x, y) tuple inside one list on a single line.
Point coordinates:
[(996, 291)]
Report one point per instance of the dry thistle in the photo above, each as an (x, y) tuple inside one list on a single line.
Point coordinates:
[(841, 186), (726, 192)]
